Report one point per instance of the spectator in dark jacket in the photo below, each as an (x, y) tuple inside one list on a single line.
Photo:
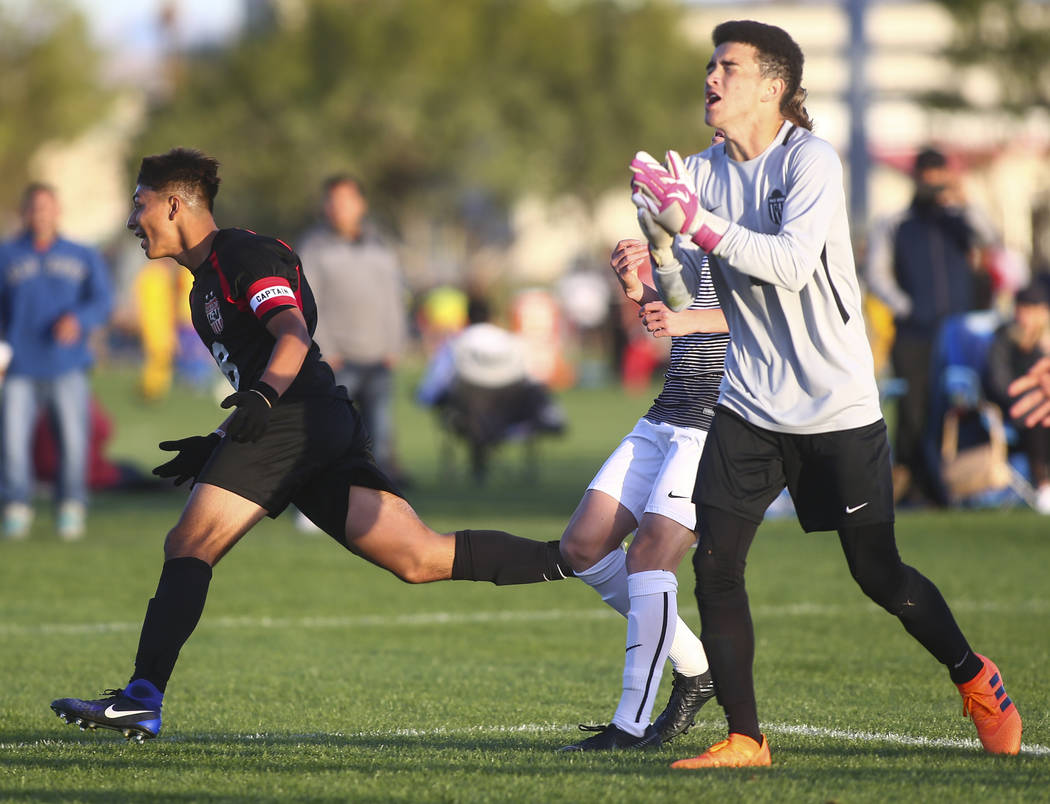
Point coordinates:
[(923, 265)]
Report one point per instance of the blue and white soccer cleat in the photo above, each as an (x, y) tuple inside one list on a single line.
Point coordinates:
[(134, 711)]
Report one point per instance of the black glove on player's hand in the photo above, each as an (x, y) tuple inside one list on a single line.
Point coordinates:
[(193, 454), (254, 406)]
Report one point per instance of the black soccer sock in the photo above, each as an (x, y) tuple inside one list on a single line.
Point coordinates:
[(926, 616), (903, 591), (503, 559), (171, 616), (728, 633), (966, 669)]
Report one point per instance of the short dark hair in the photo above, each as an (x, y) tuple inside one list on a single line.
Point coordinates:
[(183, 169), (927, 159), (1035, 293), (779, 56), (338, 180), (37, 187)]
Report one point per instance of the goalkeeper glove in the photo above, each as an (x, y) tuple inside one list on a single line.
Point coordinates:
[(660, 240), (665, 193), (254, 406), (193, 454)]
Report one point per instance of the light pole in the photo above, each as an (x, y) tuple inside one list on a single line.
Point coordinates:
[(857, 98)]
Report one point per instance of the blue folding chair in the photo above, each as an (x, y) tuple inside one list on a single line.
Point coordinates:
[(956, 367)]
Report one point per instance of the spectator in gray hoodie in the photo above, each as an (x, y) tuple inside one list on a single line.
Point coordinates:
[(361, 311)]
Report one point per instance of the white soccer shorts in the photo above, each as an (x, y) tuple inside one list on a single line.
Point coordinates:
[(654, 470)]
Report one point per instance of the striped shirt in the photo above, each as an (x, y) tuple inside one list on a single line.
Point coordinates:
[(694, 374)]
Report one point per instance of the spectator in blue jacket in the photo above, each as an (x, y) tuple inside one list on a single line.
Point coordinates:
[(54, 294)]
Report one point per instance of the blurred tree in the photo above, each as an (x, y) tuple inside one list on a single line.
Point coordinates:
[(433, 103), (49, 89), (1012, 37)]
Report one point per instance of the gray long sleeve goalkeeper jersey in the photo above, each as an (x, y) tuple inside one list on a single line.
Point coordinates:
[(799, 360)]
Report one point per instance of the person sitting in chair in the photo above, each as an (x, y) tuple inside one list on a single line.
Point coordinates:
[(478, 380), (1017, 346)]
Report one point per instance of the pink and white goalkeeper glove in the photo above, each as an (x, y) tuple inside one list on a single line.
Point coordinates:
[(664, 191)]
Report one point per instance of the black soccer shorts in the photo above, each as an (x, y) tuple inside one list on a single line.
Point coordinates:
[(313, 450), (837, 480)]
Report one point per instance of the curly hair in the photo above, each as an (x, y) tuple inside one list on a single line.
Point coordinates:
[(778, 57), (185, 170)]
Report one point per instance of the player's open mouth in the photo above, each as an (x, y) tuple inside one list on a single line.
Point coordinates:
[(711, 98)]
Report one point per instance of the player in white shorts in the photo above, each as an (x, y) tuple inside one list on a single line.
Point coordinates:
[(646, 485)]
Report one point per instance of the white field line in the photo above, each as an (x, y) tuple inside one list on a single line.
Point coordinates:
[(1037, 607), (892, 738), (456, 618), (792, 729), (300, 623)]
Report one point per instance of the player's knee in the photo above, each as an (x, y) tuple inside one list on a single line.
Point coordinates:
[(578, 552), (716, 576), (417, 572), (414, 576), (174, 544), (182, 542), (411, 575), (885, 586), (876, 566), (576, 555)]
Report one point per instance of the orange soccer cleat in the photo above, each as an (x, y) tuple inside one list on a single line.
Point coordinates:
[(739, 751), (993, 713)]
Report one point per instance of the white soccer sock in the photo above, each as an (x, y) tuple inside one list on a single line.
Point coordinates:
[(609, 579), (687, 651), (651, 623)]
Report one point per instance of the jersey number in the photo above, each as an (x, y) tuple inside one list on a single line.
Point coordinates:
[(226, 366)]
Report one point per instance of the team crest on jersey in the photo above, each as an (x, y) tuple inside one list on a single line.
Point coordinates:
[(213, 313), (776, 206)]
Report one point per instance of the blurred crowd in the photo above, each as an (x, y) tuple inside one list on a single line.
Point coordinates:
[(952, 318)]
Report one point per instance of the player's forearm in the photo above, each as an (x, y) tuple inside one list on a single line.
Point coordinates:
[(705, 321), (285, 361), (676, 285), (291, 345), (783, 260)]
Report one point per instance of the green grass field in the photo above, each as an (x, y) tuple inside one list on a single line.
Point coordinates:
[(316, 677)]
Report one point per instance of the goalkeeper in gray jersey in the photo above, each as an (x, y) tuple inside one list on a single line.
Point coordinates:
[(798, 404)]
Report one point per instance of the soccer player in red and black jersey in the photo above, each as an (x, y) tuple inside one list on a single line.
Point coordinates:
[(292, 437)]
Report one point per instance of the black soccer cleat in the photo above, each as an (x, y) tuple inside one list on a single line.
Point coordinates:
[(688, 695), (134, 711), (613, 738)]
